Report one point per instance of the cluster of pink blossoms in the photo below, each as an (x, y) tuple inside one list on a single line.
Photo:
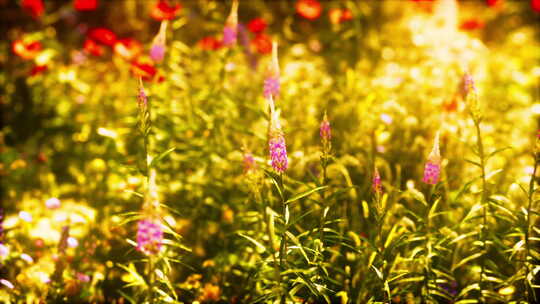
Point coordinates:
[(149, 236)]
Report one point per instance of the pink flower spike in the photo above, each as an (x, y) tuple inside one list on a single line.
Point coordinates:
[(432, 170), (157, 51), (230, 31), (149, 236), (325, 131), (142, 98), (376, 182), (272, 84), (276, 142), (468, 84), (249, 163)]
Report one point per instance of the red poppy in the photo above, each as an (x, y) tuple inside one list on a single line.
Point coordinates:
[(210, 44), (471, 24), (38, 69), (262, 43), (91, 47), (128, 48), (103, 35), (163, 11), (28, 50), (309, 9), (85, 5), (535, 5), (33, 7), (146, 71), (451, 104), (257, 25), (337, 15)]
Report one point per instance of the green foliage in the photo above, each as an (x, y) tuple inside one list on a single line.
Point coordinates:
[(388, 80)]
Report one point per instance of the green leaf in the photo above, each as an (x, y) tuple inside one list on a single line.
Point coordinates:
[(304, 194), (467, 259), (158, 158), (474, 163), (255, 242), (298, 244)]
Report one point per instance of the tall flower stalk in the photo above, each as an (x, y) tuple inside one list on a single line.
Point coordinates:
[(476, 115), (150, 230), (325, 133), (280, 163), (432, 173)]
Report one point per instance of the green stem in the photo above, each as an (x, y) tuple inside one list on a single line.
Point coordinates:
[(271, 240), (428, 271), (527, 231), (485, 207), (151, 278), (323, 194), (283, 245)]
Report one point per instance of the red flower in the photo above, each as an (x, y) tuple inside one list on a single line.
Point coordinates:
[(28, 50), (91, 47), (471, 24), (163, 11), (128, 48), (263, 43), (257, 25), (103, 36), (535, 5), (451, 104), (146, 71), (309, 9), (337, 15), (33, 7), (85, 5), (210, 44), (38, 69)]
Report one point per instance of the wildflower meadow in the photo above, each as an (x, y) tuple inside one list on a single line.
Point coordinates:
[(270, 151)]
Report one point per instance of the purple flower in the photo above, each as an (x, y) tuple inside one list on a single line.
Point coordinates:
[(272, 84), (278, 153), (249, 163), (276, 142), (229, 35), (157, 52), (83, 277), (467, 85), (325, 131), (376, 182), (230, 31), (142, 99), (149, 236), (432, 170)]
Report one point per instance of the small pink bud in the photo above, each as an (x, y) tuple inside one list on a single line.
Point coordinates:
[(325, 132), (376, 182), (432, 170)]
